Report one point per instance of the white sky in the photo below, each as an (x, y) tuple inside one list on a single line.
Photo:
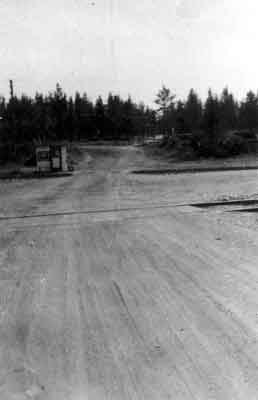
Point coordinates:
[(128, 46)]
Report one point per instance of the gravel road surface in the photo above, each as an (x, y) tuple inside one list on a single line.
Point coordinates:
[(112, 287)]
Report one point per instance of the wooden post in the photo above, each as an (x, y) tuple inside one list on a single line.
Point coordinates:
[(11, 88)]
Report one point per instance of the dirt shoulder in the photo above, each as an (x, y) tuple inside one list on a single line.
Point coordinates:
[(168, 159)]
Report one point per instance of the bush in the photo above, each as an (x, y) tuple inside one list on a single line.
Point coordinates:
[(233, 145), (225, 146), (16, 153), (202, 145)]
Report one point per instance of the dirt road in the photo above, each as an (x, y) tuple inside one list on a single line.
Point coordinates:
[(111, 287)]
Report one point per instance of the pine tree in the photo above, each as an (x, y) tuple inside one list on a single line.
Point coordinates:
[(165, 101), (248, 113), (228, 111), (211, 115), (193, 112), (100, 118)]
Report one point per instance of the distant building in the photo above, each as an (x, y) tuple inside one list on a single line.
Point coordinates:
[(51, 157)]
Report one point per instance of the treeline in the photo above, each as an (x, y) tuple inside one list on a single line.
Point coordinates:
[(216, 114), (219, 124), (57, 117)]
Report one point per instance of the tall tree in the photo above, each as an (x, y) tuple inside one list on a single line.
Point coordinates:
[(100, 118), (165, 101), (228, 111), (248, 117), (180, 125), (193, 112), (211, 115)]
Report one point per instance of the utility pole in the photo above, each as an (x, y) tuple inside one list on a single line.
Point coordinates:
[(13, 123), (11, 88)]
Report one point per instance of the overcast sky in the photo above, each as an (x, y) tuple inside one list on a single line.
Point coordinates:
[(128, 46)]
